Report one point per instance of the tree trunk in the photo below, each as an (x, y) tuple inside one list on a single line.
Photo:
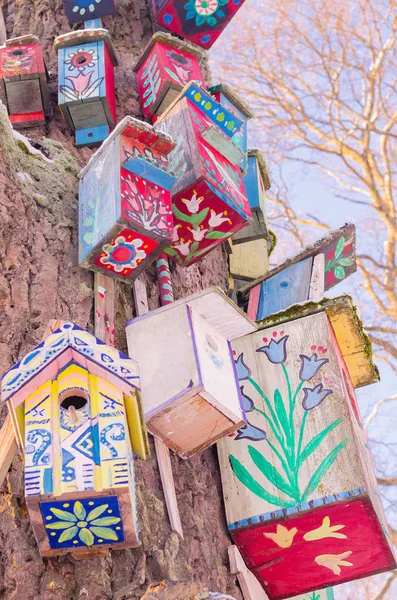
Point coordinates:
[(39, 281)]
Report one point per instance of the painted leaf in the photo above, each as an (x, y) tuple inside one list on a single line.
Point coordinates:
[(96, 512), (86, 536), (322, 469), (204, 250), (270, 472), (345, 262), (195, 219), (106, 521), (339, 272), (68, 534), (105, 532), (79, 510), (281, 413), (171, 74), (63, 514), (217, 235), (316, 441), (59, 525), (246, 479), (339, 247)]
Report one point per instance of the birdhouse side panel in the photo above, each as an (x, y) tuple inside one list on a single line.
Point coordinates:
[(21, 62), (83, 10), (249, 260), (340, 259), (99, 201), (298, 446), (240, 138), (81, 75), (110, 88)]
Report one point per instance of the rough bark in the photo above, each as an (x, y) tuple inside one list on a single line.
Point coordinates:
[(40, 280)]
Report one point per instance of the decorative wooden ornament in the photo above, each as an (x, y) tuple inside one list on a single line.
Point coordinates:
[(209, 201), (23, 81), (189, 388), (230, 100), (200, 21), (125, 204), (166, 65), (292, 281), (75, 406), (86, 96), (84, 10), (299, 486)]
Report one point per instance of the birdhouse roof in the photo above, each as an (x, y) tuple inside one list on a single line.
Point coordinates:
[(231, 95), (264, 171), (352, 340), (85, 36), (68, 343), (348, 232), (214, 306), (22, 40), (173, 42)]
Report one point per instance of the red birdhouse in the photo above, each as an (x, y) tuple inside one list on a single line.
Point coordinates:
[(23, 81), (166, 65)]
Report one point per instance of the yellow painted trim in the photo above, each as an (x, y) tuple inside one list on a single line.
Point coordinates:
[(136, 425)]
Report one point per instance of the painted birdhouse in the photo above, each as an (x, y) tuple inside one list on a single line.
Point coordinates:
[(23, 81), (306, 276), (86, 98), (199, 21), (87, 10), (166, 65), (125, 218), (209, 200), (299, 486), (230, 100), (75, 404), (189, 388)]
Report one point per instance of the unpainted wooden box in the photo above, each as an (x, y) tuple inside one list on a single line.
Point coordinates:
[(209, 200), (75, 403), (165, 66), (125, 214), (249, 260), (189, 389), (23, 81), (299, 485), (200, 22), (86, 90)]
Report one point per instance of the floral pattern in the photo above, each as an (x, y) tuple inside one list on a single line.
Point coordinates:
[(85, 8), (205, 12), (182, 66), (81, 86), (339, 262), (123, 254)]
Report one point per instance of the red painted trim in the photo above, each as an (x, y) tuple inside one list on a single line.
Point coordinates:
[(253, 302), (110, 85), (27, 117)]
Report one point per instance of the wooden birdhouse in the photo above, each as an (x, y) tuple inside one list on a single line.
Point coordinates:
[(299, 486), (166, 65), (249, 260), (86, 93), (189, 390), (87, 10), (75, 405), (125, 218), (230, 100), (306, 276), (209, 200), (199, 21), (23, 81)]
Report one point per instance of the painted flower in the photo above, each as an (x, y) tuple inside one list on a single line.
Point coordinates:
[(205, 11), (175, 236), (178, 58), (249, 432), (310, 366), (183, 247), (81, 82), (276, 352), (82, 6), (194, 203), (243, 371), (314, 397), (81, 59), (334, 562), (123, 254), (216, 220), (79, 524), (198, 233), (182, 73), (246, 403)]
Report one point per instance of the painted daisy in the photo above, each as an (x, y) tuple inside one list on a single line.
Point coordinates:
[(122, 254), (81, 59), (205, 11), (82, 6)]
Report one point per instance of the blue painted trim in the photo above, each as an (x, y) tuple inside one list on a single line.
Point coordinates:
[(47, 481), (92, 135), (214, 109), (229, 202), (251, 183), (93, 24), (147, 171), (305, 506)]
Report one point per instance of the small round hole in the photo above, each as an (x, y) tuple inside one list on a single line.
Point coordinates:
[(17, 52), (76, 401), (212, 343), (80, 60), (90, 134)]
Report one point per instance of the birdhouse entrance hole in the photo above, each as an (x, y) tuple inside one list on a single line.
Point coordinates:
[(81, 60), (17, 52), (77, 402)]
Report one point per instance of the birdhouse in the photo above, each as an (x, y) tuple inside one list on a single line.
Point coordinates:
[(304, 277), (189, 387), (23, 81), (86, 61), (75, 404), (249, 260), (229, 99), (209, 200), (87, 10), (125, 218), (299, 486), (166, 65), (199, 21)]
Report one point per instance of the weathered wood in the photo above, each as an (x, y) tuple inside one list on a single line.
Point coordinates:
[(247, 261), (8, 447), (316, 289), (105, 307), (3, 32), (250, 586)]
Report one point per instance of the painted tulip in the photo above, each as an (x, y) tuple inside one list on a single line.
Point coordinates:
[(314, 397), (310, 366), (246, 403), (276, 352), (243, 371), (249, 432)]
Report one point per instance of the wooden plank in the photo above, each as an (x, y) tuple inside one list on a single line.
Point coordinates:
[(24, 96), (253, 302), (105, 309), (249, 260), (223, 144), (3, 32), (89, 114), (316, 290), (250, 586), (8, 448)]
